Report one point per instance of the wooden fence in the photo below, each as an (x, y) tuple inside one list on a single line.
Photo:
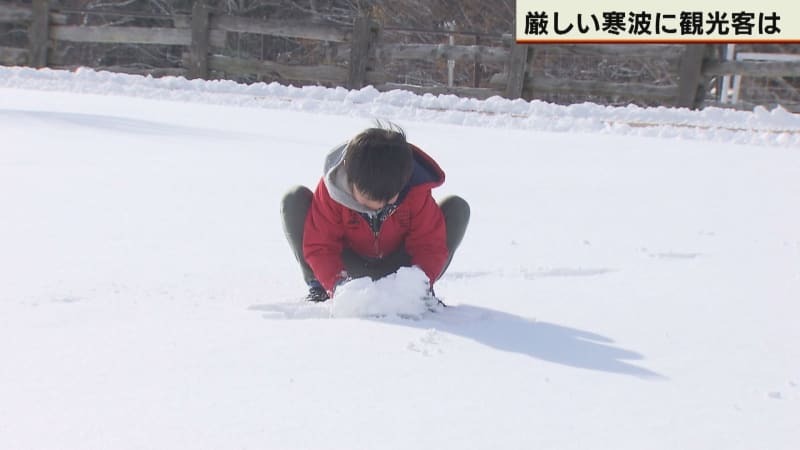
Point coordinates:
[(361, 57)]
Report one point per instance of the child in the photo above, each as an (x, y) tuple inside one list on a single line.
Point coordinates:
[(372, 213)]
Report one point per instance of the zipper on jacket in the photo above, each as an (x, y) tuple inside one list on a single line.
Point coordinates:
[(375, 223), (377, 245)]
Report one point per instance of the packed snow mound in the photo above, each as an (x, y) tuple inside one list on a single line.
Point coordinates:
[(403, 294)]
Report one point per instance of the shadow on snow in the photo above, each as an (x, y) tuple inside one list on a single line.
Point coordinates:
[(510, 333), (116, 124), (541, 340)]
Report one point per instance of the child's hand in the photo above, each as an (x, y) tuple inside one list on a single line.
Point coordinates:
[(342, 279)]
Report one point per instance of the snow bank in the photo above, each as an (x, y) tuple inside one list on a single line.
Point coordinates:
[(777, 127)]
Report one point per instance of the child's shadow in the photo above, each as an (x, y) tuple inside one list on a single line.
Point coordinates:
[(502, 331), (542, 340)]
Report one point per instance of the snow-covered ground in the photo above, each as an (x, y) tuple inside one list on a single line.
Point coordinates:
[(630, 278)]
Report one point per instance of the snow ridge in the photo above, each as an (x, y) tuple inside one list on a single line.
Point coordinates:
[(777, 127)]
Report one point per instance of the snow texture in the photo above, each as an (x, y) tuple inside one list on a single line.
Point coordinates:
[(629, 279), (402, 294)]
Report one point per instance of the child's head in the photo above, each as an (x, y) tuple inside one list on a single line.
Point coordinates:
[(378, 164)]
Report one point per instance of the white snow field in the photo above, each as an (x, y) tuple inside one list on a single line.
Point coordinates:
[(630, 278)]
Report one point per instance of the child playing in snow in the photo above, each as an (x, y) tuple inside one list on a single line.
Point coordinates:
[(372, 213)]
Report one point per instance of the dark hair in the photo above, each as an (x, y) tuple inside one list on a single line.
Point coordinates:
[(379, 162)]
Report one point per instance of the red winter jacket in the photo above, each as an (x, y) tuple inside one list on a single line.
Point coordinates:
[(336, 221)]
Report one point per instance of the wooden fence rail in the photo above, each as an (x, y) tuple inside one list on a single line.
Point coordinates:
[(359, 57), (130, 35), (16, 13), (753, 68), (442, 51), (13, 56), (281, 28)]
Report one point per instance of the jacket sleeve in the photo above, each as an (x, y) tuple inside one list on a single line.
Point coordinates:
[(426, 241), (323, 238)]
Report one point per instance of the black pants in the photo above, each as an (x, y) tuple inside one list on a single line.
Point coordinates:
[(294, 209)]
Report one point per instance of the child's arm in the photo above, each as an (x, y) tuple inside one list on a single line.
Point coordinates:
[(323, 238)]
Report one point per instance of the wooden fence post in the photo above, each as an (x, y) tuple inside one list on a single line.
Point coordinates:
[(360, 47), (198, 63), (38, 33), (690, 74), (517, 68)]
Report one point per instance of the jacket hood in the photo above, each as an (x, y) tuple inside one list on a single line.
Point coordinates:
[(425, 172)]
